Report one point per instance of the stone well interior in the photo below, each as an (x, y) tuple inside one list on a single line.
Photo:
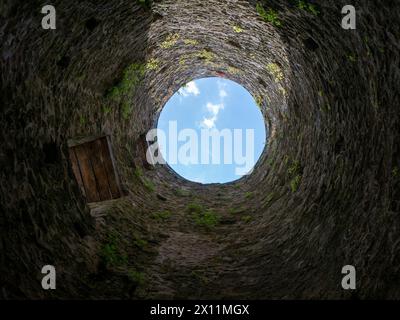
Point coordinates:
[(324, 194)]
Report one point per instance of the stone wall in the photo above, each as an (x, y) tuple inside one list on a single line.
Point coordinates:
[(324, 193)]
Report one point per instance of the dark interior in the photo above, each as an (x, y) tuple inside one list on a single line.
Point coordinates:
[(324, 194)]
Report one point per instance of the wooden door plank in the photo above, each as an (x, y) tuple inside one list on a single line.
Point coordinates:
[(111, 172), (76, 170), (88, 177), (96, 155)]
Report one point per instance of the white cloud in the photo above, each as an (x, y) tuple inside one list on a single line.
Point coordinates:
[(221, 87), (209, 123), (214, 108), (190, 89), (222, 93)]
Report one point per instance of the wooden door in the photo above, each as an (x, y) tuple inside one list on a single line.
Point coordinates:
[(94, 169)]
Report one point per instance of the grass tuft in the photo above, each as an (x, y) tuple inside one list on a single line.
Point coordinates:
[(207, 219), (111, 253), (203, 218)]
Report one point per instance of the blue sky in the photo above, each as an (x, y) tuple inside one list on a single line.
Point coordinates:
[(213, 103)]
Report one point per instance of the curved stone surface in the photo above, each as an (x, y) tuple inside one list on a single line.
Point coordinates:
[(324, 194)]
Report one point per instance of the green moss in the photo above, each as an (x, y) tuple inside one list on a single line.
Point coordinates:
[(182, 193), (182, 61), (162, 215), (233, 70), (269, 199), (247, 218), (170, 41), (313, 10), (152, 64), (294, 168), (286, 160), (295, 173), (351, 57), (237, 29), (325, 108), (202, 217), (111, 253), (136, 276), (395, 172), (111, 256), (195, 208), (309, 7), (126, 110), (82, 120), (259, 101), (190, 42), (149, 185), (140, 243), (269, 15), (235, 211), (132, 77), (124, 91), (275, 71), (207, 219), (206, 55), (295, 183), (106, 110), (249, 195), (138, 172)]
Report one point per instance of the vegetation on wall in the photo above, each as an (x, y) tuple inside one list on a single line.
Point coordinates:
[(275, 71), (269, 15), (295, 174), (237, 29), (202, 217), (191, 42), (307, 6), (206, 55), (170, 41), (124, 91)]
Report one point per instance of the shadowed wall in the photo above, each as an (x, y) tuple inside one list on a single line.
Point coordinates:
[(323, 195)]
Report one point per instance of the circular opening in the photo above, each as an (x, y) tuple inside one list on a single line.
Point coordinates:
[(211, 131)]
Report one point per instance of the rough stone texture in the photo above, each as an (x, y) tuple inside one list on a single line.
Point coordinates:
[(324, 194)]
